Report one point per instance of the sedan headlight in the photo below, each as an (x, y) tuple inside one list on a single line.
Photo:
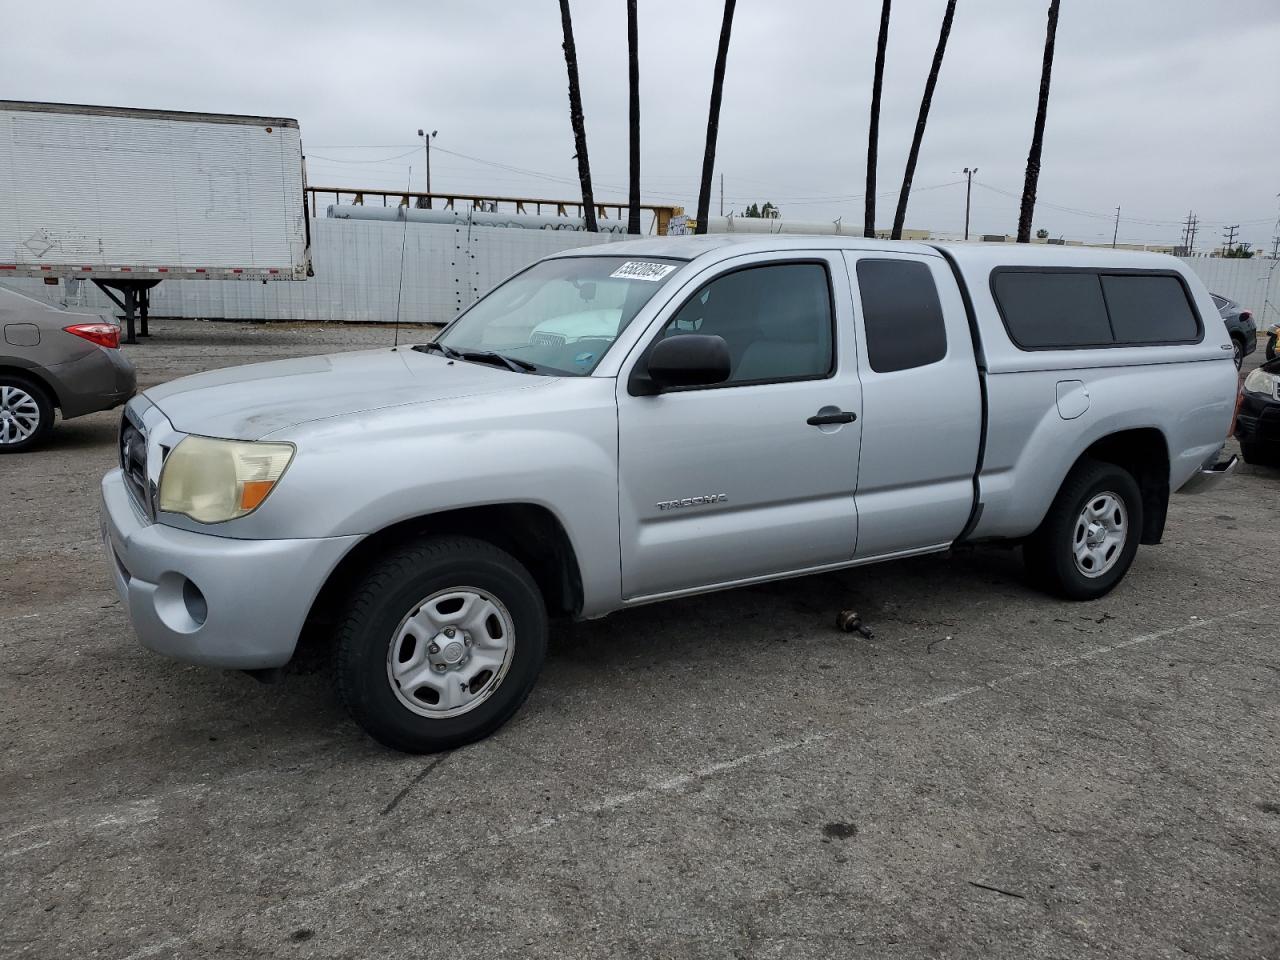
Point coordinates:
[(1259, 381), (215, 480)]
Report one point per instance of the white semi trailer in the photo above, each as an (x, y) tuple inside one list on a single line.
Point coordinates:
[(127, 198)]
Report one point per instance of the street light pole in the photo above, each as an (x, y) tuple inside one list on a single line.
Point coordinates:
[(968, 191), (426, 140)]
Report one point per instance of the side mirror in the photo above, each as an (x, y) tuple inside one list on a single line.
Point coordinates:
[(685, 360)]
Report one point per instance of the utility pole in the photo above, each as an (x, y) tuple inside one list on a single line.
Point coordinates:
[(1195, 228), (1116, 232), (968, 193), (426, 140), (1186, 234), (1275, 248), (1230, 235), (722, 194)]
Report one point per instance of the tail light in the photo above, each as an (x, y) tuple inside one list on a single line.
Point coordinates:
[(103, 334), (1246, 315), (1235, 414)]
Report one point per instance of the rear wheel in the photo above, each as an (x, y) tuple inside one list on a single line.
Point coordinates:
[(1089, 537), (1237, 345), (441, 644), (26, 414)]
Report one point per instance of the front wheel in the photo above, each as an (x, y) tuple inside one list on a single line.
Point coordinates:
[(1089, 537), (1271, 346), (441, 644)]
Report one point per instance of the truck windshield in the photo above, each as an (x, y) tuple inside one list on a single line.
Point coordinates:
[(560, 316)]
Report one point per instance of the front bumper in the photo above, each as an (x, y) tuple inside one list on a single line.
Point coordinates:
[(1258, 419), (212, 600)]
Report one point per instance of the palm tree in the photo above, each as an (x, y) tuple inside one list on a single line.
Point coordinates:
[(576, 118), (873, 132), (926, 101), (713, 118), (1037, 135), (633, 69)]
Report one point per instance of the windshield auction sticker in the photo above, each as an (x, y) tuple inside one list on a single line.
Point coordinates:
[(642, 270)]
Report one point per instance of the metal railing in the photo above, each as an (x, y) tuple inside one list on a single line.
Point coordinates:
[(487, 203)]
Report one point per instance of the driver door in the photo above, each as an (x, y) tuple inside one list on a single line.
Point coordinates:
[(733, 482)]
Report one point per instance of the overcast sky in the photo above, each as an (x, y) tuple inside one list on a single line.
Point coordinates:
[(1160, 106)]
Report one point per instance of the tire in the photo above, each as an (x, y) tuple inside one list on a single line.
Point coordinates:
[(26, 414), (1255, 454), (392, 654), (1237, 345), (1051, 553)]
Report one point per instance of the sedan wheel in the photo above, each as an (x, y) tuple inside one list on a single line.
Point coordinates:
[(25, 415)]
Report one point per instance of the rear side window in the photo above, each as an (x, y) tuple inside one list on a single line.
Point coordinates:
[(1149, 309), (1066, 309), (901, 314), (1053, 309)]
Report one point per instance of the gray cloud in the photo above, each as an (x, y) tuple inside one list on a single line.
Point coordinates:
[(1160, 107)]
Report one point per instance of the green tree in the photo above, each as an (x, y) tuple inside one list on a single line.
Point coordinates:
[(1042, 234)]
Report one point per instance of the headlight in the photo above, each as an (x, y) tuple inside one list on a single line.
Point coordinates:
[(216, 480), (1261, 382)]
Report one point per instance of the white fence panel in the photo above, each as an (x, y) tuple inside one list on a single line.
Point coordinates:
[(1253, 283), (357, 267)]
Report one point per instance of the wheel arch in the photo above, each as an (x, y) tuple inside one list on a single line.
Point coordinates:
[(29, 373), (1144, 453), (530, 532)]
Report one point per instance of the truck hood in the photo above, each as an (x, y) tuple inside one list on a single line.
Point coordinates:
[(249, 402)]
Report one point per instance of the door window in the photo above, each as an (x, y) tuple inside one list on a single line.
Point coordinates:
[(901, 314), (776, 320)]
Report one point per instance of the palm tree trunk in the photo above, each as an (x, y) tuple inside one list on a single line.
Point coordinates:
[(926, 101), (633, 69), (713, 118), (1037, 136), (873, 132), (576, 118)]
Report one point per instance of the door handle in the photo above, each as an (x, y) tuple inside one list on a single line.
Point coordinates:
[(840, 416)]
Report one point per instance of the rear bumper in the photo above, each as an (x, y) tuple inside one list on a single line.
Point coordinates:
[(1206, 478), (212, 600), (99, 380)]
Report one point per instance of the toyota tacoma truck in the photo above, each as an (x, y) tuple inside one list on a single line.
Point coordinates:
[(653, 419)]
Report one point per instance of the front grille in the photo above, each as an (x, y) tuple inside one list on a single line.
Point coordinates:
[(133, 459)]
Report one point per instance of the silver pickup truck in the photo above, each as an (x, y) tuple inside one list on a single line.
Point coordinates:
[(651, 419)]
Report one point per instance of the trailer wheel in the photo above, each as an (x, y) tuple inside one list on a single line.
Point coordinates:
[(1087, 541)]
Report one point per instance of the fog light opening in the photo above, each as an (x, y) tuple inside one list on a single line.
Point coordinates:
[(193, 599)]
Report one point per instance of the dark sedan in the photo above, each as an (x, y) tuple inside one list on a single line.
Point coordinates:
[(1241, 326), (52, 358)]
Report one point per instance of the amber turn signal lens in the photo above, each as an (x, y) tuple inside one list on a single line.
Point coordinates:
[(254, 492)]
